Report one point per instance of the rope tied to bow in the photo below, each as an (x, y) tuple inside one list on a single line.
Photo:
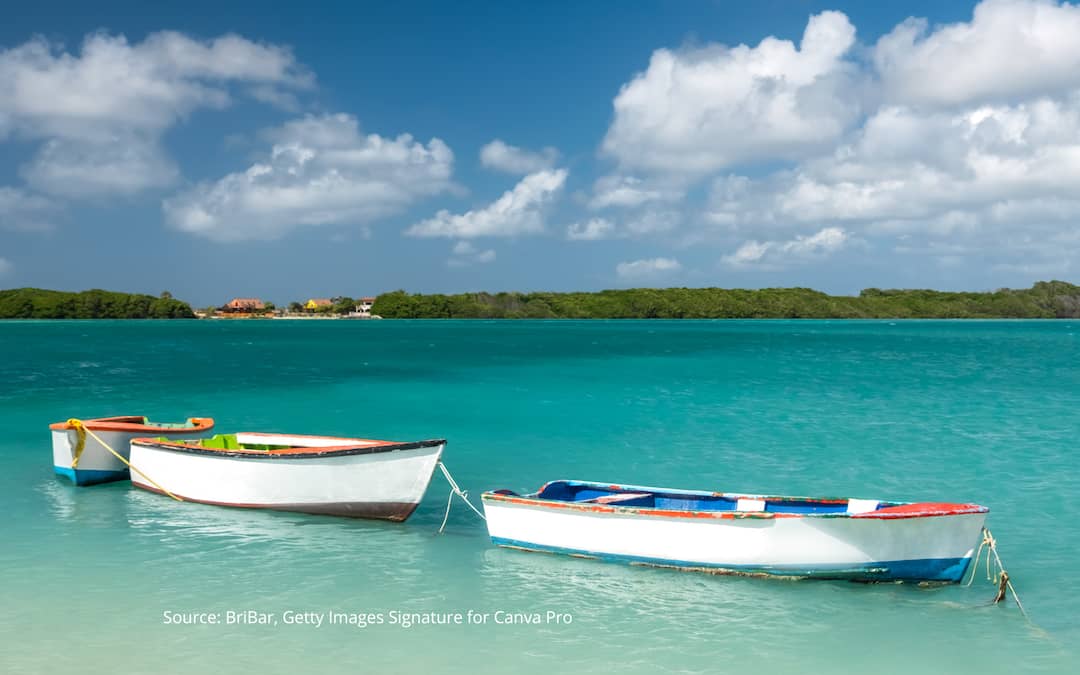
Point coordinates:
[(455, 490), (995, 571)]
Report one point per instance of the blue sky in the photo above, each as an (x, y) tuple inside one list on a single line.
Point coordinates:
[(221, 149)]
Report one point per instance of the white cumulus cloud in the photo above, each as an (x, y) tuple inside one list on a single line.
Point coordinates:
[(518, 211), (779, 253), (5, 267), (320, 170), (699, 110), (1010, 48), (512, 159), (102, 109), (976, 173), (81, 169), (642, 223), (112, 84), (465, 253), (969, 152), (647, 268), (20, 210), (630, 191), (593, 229)]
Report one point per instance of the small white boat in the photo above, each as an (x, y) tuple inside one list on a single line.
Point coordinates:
[(857, 539), (353, 477), (85, 461)]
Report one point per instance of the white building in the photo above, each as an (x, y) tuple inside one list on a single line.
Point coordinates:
[(363, 307)]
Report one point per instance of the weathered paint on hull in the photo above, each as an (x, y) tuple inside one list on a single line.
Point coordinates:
[(947, 570), (393, 511), (382, 485), (864, 549), (82, 477)]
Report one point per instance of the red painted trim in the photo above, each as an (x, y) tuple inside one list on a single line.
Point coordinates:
[(134, 424), (923, 510), (309, 450), (664, 513)]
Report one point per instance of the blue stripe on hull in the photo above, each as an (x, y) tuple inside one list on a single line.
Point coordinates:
[(90, 476), (925, 569)]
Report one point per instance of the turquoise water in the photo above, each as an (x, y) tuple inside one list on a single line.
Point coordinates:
[(965, 411)]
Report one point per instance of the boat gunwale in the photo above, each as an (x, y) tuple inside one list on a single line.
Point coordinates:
[(122, 423), (533, 500), (296, 452)]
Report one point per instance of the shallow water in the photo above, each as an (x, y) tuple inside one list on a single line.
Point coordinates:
[(982, 411)]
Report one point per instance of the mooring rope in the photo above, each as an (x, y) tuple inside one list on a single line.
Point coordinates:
[(455, 490), (1001, 578), (81, 430)]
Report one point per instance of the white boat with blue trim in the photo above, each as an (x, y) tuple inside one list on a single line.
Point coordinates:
[(723, 533), (81, 458)]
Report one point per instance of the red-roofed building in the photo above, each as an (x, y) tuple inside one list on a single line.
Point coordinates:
[(245, 305)]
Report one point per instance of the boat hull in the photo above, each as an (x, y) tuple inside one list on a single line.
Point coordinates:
[(377, 485), (96, 464), (926, 548)]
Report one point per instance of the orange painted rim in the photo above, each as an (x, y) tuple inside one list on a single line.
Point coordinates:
[(294, 450), (135, 424), (348, 446)]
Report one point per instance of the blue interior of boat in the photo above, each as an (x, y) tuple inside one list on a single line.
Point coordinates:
[(592, 493)]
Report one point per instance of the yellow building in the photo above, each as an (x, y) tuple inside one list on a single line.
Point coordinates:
[(317, 303)]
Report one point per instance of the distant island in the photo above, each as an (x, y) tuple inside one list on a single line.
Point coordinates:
[(1044, 300), (37, 303)]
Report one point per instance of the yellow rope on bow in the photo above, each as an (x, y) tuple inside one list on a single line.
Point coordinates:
[(81, 431), (80, 444)]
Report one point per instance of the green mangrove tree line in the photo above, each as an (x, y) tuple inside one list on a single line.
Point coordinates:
[(37, 303), (1044, 300)]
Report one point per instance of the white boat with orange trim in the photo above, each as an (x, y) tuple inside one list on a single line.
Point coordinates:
[(84, 460), (359, 478), (856, 539)]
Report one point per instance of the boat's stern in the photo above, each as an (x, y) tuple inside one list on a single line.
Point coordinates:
[(95, 465), (88, 458)]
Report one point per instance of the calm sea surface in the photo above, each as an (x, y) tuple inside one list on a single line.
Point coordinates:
[(982, 411)]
